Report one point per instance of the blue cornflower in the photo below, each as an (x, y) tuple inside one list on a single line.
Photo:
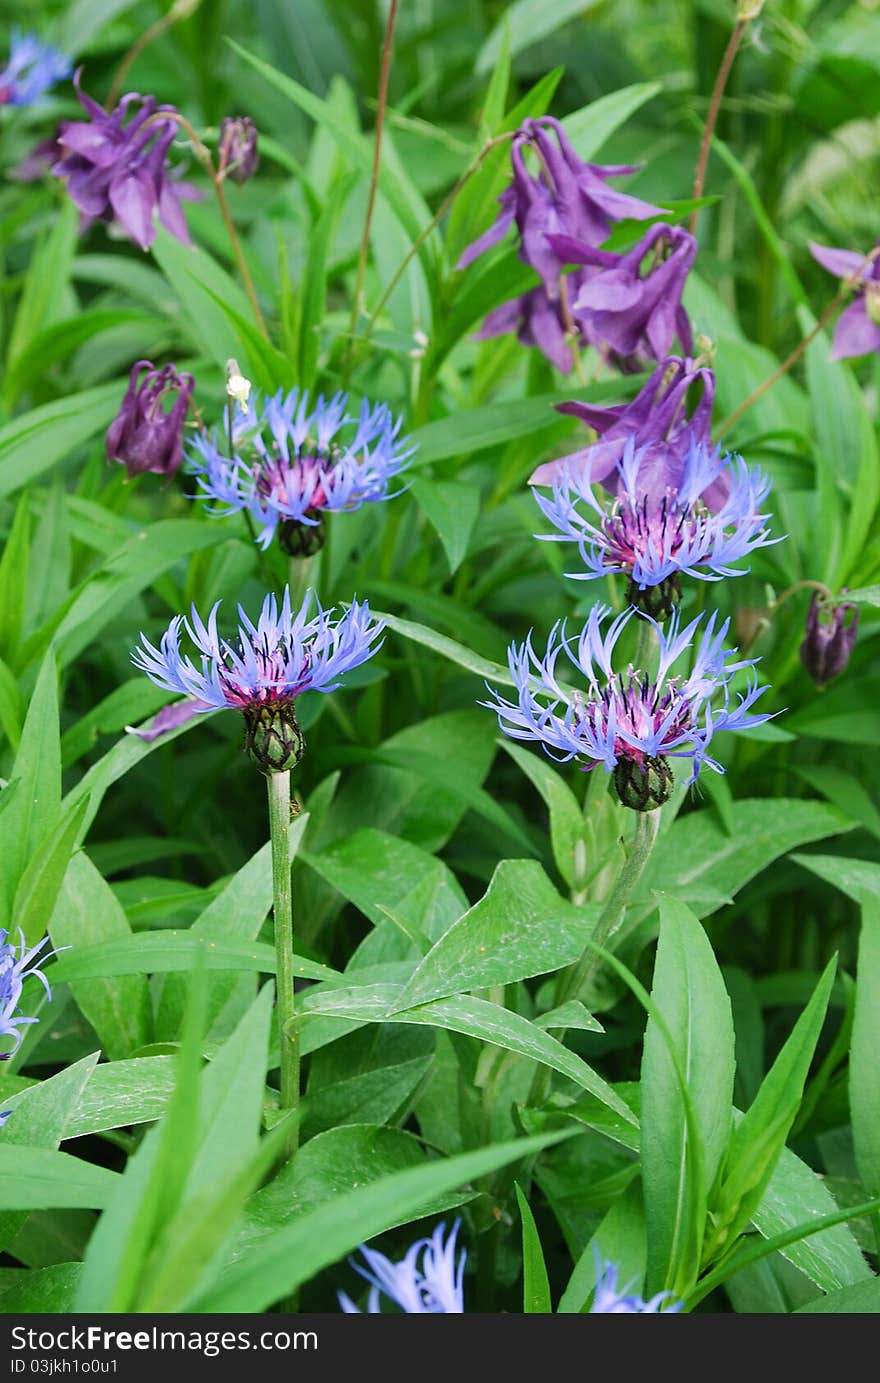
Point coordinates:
[(303, 462), (430, 1286), (696, 513), (269, 664), (609, 1301), (626, 721), (15, 966), (32, 68)]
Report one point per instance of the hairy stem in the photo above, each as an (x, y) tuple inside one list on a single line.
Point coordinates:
[(381, 108), (279, 829)]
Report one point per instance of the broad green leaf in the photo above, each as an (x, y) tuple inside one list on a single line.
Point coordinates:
[(39, 1179), (620, 1239), (14, 580), (858, 879), (759, 1137), (865, 595), (291, 1255), (845, 792), (567, 829), (39, 1291), (526, 22), (864, 1073), (536, 1284), (862, 1298), (34, 811), (793, 1196), (369, 1077), (590, 127), (481, 429), (519, 928), (36, 441), (42, 880), (689, 995), (153, 953), (121, 1093), (447, 648), (451, 507), (44, 284), (41, 1115), (127, 704), (87, 914)]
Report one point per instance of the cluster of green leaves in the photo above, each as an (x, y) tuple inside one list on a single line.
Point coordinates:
[(728, 1151)]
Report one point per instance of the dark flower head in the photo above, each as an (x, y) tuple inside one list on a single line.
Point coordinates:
[(658, 422), (631, 722), (33, 67), (627, 304), (299, 462), (661, 524), (143, 436), (563, 195), (858, 326), (117, 167), (428, 1281), (830, 638), (15, 966), (238, 154)]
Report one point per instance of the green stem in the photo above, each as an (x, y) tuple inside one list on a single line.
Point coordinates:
[(647, 644), (279, 829), (300, 569)]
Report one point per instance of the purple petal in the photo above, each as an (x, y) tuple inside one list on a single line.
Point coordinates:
[(843, 263), (855, 333)]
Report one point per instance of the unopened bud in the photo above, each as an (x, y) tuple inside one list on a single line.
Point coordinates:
[(748, 9), (238, 388), (657, 601), (302, 539), (643, 786), (238, 155), (829, 641), (272, 737)]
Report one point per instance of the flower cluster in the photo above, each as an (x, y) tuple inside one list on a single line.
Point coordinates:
[(427, 1281), (117, 167), (302, 462), (631, 722), (265, 669), (15, 967), (33, 68), (625, 304), (143, 436)]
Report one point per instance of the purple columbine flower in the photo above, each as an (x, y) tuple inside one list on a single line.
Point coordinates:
[(628, 722), (610, 1301), (265, 669), (537, 321), (118, 171), (656, 418), (630, 305), (563, 196), (303, 463), (143, 436), (238, 156), (659, 524), (15, 966), (858, 326), (428, 1281), (33, 67), (829, 640)]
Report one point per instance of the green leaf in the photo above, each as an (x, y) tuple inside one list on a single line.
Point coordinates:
[(291, 1255), (521, 927), (845, 792), (121, 1093), (759, 1138), (40, 1291), (620, 1239), (526, 22), (36, 441), (34, 811), (41, 882), (451, 506), (38, 1179), (864, 1071), (689, 995), (14, 580), (88, 915), (794, 1195), (45, 282), (862, 1298), (536, 1284), (447, 648), (865, 595), (153, 953), (566, 817), (590, 127)]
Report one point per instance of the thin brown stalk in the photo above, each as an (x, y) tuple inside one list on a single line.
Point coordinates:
[(182, 10), (712, 116)]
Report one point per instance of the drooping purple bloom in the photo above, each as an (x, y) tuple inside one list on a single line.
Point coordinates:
[(238, 156), (15, 967), (630, 305), (33, 67), (858, 326), (656, 419), (609, 1300), (829, 638), (143, 436), (38, 161), (117, 168), (303, 462), (562, 195), (537, 321), (659, 525), (264, 670), (628, 722), (428, 1281)]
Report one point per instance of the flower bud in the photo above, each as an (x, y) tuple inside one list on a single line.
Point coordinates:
[(302, 539), (658, 601), (238, 148), (238, 389), (142, 436), (643, 786), (829, 642), (272, 737)]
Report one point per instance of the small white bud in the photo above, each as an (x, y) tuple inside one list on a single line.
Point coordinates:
[(237, 387)]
